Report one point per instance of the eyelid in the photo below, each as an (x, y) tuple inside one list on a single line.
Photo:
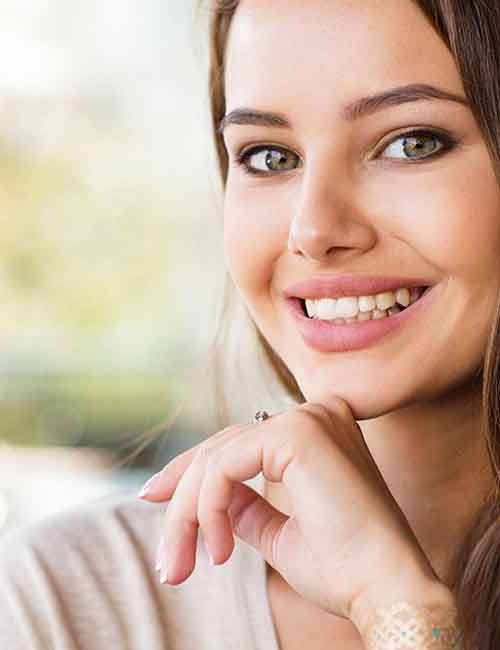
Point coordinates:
[(449, 142), (264, 145), (447, 138)]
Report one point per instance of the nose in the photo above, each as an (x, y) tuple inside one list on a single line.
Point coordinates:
[(326, 217)]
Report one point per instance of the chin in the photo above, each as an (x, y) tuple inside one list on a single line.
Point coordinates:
[(364, 405)]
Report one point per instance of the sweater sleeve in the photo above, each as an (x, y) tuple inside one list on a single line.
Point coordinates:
[(32, 612), (83, 580)]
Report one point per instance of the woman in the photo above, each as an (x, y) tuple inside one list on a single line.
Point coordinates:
[(359, 146)]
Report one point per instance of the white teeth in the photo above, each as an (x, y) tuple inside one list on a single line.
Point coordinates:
[(385, 300), (353, 307), (367, 303), (403, 297), (325, 309), (311, 307), (345, 307)]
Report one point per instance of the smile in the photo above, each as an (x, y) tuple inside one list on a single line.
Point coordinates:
[(359, 309), (334, 334)]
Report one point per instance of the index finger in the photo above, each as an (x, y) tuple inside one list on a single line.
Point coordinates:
[(161, 485)]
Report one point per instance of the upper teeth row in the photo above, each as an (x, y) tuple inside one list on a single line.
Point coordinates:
[(349, 306)]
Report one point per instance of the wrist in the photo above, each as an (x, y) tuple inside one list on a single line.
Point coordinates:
[(420, 610)]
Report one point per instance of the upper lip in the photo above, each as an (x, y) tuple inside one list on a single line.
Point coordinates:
[(349, 285)]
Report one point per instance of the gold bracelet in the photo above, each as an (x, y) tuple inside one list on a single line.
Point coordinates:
[(406, 627)]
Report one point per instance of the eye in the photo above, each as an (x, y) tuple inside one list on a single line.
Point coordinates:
[(416, 145), (265, 159)]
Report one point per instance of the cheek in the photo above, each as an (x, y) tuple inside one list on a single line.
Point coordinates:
[(252, 243), (468, 222), (451, 217)]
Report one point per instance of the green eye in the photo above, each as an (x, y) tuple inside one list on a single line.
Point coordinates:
[(267, 159), (419, 145)]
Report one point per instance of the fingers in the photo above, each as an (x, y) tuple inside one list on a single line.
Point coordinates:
[(182, 520), (204, 487), (238, 460), (253, 519), (226, 504), (205, 497), (162, 485)]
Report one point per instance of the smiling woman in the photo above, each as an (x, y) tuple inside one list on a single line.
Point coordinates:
[(390, 160), (359, 148)]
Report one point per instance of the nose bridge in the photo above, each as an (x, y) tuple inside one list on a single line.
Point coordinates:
[(320, 220)]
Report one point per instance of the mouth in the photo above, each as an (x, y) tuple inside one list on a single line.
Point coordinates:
[(362, 316), (364, 330)]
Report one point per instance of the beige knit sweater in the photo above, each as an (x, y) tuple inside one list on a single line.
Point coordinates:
[(84, 579)]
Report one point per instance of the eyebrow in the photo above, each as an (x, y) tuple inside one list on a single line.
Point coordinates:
[(351, 111)]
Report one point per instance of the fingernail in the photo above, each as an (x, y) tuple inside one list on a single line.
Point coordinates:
[(148, 484), (211, 559)]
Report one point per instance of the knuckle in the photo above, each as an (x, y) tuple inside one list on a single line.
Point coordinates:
[(278, 459), (270, 538), (295, 449), (184, 526), (317, 414), (208, 456), (325, 415), (204, 452), (204, 514)]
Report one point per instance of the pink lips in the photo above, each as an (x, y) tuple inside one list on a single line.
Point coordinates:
[(330, 286), (327, 337)]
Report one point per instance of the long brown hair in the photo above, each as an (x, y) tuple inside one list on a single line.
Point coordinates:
[(471, 31)]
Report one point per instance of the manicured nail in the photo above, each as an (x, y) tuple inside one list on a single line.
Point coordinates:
[(211, 559), (148, 484)]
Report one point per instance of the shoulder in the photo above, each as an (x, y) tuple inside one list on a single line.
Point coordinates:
[(69, 580), (85, 578), (117, 520)]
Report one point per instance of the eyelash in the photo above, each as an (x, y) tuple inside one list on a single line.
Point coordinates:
[(449, 143)]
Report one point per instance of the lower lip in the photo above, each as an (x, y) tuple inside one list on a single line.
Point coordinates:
[(326, 337)]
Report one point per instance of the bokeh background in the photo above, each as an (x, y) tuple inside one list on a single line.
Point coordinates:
[(111, 260)]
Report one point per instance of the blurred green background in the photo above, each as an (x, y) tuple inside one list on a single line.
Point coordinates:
[(111, 253)]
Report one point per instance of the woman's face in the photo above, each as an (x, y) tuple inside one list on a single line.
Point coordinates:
[(335, 196)]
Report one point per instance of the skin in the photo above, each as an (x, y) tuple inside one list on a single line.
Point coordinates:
[(341, 209)]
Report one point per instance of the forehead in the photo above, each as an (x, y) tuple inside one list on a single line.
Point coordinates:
[(321, 52)]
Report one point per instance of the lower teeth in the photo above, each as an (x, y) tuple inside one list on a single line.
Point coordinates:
[(376, 314)]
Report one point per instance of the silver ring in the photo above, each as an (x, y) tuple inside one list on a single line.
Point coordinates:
[(260, 416)]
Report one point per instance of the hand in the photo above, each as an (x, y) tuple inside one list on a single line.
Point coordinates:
[(347, 534)]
